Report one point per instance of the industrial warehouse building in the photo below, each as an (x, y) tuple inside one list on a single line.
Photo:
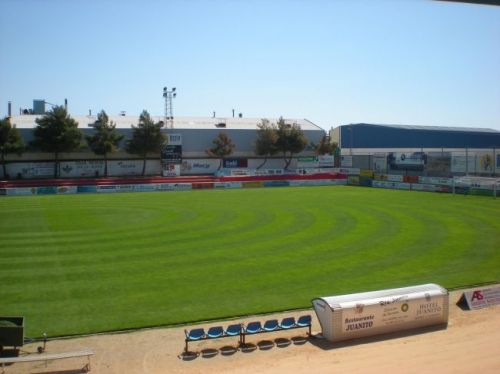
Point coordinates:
[(364, 138), (196, 136), (419, 150)]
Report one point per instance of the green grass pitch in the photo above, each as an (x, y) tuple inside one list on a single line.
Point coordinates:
[(74, 264)]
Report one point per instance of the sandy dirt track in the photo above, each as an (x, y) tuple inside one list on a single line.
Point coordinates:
[(470, 344)]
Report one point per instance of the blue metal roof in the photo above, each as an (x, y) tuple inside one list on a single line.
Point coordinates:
[(436, 128), (363, 135)]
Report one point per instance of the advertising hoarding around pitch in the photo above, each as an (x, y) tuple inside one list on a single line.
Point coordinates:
[(481, 297)]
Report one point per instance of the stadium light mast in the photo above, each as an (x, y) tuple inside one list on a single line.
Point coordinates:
[(169, 109), (351, 136)]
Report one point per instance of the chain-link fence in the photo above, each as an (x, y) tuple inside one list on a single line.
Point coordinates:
[(442, 163)]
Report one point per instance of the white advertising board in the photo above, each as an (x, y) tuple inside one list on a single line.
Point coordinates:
[(326, 161), (436, 180), (133, 167), (391, 185), (175, 186), (485, 163), (85, 168), (228, 185), (269, 172), (346, 161), (318, 182), (350, 171), (199, 166), (394, 178), (424, 187), (21, 191), (171, 170), (379, 163), (482, 297), (240, 172), (463, 164), (29, 170)]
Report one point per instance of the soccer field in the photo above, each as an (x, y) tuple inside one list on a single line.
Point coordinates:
[(74, 264)]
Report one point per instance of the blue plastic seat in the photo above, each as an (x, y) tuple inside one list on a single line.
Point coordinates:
[(215, 332), (233, 330), (253, 328), (304, 321), (288, 323), (271, 325), (195, 334)]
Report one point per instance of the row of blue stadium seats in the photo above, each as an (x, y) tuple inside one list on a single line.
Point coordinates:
[(241, 330)]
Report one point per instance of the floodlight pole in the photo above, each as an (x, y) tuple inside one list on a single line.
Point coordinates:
[(351, 137), (169, 109)]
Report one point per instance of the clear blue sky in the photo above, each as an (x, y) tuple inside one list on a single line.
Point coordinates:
[(332, 62)]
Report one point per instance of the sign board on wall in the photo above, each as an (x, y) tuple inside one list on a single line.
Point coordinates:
[(90, 168), (439, 163), (235, 163), (27, 170), (171, 154), (133, 167), (323, 161), (485, 163), (346, 161), (171, 170), (326, 161), (199, 166), (174, 139), (272, 163), (463, 164), (307, 162), (406, 161), (380, 163)]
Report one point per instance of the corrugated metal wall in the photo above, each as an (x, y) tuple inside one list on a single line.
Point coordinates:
[(377, 136)]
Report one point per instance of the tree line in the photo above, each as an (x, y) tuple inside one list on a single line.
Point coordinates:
[(56, 132)]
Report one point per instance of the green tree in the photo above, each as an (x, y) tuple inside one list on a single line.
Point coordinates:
[(146, 138), (267, 137), (325, 146), (222, 147), (57, 132), (10, 141), (105, 139), (291, 140)]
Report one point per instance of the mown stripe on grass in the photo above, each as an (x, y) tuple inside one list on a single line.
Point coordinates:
[(132, 260)]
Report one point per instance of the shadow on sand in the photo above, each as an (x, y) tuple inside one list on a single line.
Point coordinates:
[(324, 344)]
